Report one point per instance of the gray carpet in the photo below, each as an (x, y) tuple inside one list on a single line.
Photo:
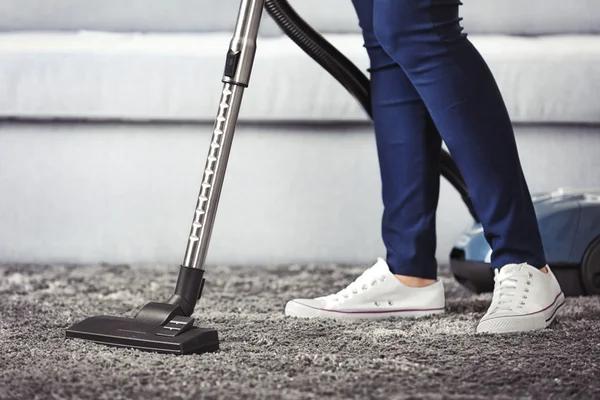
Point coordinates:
[(265, 355)]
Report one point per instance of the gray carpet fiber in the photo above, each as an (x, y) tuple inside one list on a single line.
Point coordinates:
[(265, 355)]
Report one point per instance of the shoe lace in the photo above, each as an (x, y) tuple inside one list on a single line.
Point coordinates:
[(509, 289), (363, 282)]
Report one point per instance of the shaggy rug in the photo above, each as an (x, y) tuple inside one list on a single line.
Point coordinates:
[(265, 355)]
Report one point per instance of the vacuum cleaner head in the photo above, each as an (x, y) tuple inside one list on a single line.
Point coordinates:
[(158, 327), (176, 336)]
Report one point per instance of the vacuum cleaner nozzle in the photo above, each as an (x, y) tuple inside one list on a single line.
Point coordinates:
[(177, 336), (158, 327)]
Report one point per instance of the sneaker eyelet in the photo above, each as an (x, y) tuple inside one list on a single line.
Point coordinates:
[(390, 303), (530, 275), (355, 291), (529, 282), (364, 287), (522, 303), (524, 297), (377, 303), (527, 290)]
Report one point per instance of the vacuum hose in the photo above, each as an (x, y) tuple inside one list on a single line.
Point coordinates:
[(352, 78)]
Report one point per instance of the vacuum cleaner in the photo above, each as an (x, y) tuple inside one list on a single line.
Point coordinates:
[(569, 222), (169, 327)]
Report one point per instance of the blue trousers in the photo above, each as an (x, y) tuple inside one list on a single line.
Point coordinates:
[(428, 84)]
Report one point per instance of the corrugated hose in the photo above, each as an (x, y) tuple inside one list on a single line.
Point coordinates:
[(350, 77)]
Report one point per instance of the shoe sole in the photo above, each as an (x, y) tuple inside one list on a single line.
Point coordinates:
[(300, 310), (523, 323)]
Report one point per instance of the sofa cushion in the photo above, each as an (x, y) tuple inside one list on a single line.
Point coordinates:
[(121, 15), (520, 17), (515, 17), (531, 17), (178, 77)]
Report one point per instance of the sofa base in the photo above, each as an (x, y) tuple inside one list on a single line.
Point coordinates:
[(293, 193)]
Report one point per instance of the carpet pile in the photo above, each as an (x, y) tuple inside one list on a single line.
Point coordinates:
[(267, 356)]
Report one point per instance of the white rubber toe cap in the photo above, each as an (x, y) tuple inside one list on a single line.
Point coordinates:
[(304, 308), (511, 322)]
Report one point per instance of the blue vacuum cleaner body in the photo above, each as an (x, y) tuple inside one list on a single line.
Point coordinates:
[(569, 221)]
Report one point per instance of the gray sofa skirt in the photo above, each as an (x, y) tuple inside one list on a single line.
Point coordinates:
[(125, 193)]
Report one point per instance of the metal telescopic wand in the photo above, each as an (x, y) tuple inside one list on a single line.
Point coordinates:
[(238, 67)]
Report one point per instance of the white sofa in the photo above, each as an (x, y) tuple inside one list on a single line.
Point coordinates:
[(107, 107)]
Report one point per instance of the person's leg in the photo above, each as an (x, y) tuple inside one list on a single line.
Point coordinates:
[(408, 147), (426, 39)]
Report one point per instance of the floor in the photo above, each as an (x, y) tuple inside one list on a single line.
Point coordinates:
[(265, 355)]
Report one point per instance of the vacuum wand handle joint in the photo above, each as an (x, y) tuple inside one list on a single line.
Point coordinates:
[(242, 48)]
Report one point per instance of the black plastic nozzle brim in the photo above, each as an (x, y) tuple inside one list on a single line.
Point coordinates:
[(131, 333)]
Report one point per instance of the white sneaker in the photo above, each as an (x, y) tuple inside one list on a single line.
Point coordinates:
[(525, 299), (377, 293)]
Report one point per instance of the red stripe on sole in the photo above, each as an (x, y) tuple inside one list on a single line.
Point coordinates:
[(370, 312)]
